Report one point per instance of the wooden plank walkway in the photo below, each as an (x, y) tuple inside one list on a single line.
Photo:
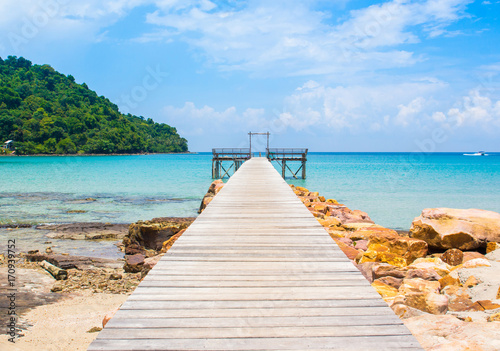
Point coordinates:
[(255, 271)]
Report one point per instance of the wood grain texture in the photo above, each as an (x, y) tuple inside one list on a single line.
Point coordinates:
[(255, 271)]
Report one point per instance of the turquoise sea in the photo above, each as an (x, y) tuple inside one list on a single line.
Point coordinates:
[(392, 188)]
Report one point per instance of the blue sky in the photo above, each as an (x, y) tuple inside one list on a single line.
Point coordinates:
[(333, 75)]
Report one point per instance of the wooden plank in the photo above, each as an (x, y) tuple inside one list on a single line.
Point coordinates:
[(255, 271)]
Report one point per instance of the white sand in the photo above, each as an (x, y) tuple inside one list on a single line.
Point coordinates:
[(63, 326)]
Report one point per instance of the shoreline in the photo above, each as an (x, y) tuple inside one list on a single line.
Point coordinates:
[(113, 154)]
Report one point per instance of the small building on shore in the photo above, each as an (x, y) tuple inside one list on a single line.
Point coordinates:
[(8, 145)]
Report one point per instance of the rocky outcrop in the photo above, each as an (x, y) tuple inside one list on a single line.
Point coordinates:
[(213, 190), (446, 228), (450, 282), (147, 237), (86, 231)]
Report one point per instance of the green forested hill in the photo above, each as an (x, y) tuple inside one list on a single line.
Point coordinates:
[(46, 112)]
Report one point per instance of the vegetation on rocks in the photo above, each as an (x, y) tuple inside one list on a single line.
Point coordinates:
[(46, 112)]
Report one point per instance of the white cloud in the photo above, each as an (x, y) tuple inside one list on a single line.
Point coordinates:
[(292, 39), (474, 110), (408, 112), (356, 107)]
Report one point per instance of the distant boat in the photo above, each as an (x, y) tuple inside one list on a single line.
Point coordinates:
[(479, 153)]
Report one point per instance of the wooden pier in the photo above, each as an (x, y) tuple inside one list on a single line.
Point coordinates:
[(255, 271), (226, 160), (282, 156)]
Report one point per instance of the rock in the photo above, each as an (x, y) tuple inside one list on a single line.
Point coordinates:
[(368, 231), (391, 281), (366, 269), (150, 235), (108, 317), (404, 312), (332, 201), (86, 231), (380, 270), (152, 261), (72, 262), (134, 263), (349, 251), (346, 215), (423, 273), (329, 222), (471, 281), (453, 257), (168, 244), (488, 304), (419, 285), (435, 264), (407, 248), (448, 280), (361, 245), (498, 293), (320, 207), (470, 255), (492, 246), (446, 228), (94, 330), (494, 317), (213, 189), (477, 262), (447, 332), (386, 291), (358, 226), (459, 298), (115, 276)]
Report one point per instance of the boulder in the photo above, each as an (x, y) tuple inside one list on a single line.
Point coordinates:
[(144, 236), (446, 228), (470, 255), (459, 299), (408, 248), (349, 251), (391, 281), (134, 263), (434, 263), (361, 245), (423, 273), (477, 262), (386, 291), (366, 269), (453, 257), (447, 332), (380, 270), (424, 295), (329, 222), (346, 215)]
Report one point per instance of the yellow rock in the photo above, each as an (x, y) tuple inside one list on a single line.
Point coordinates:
[(418, 285), (494, 317), (448, 280), (321, 198), (330, 222), (492, 246), (313, 194), (332, 201), (498, 293), (320, 207), (385, 290), (471, 281), (299, 188)]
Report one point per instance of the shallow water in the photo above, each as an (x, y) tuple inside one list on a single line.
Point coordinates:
[(392, 188)]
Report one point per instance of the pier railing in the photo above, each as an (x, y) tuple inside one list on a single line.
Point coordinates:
[(227, 160), (281, 156)]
